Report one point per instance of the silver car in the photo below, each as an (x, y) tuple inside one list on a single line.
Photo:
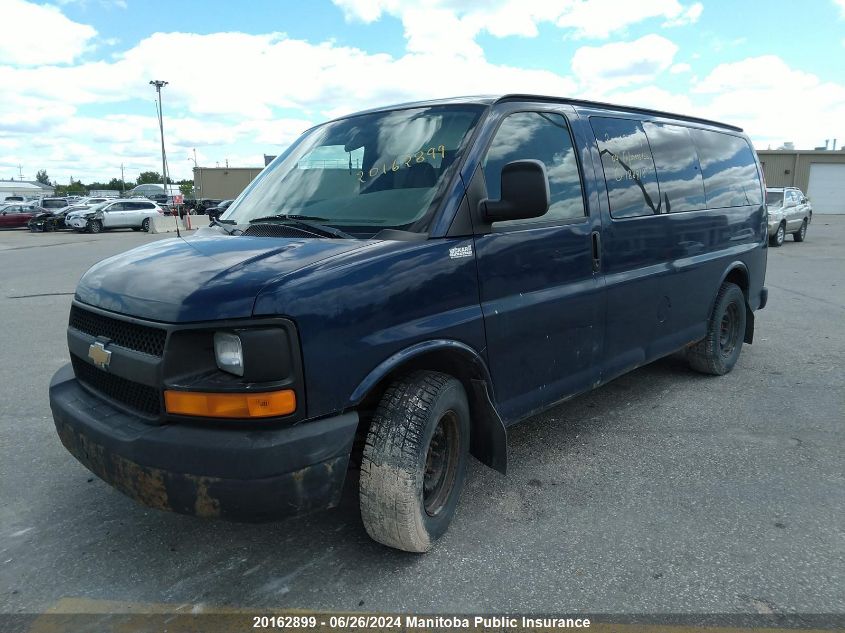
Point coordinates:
[(789, 212), (132, 213)]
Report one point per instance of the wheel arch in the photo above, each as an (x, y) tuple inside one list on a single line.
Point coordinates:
[(488, 436)]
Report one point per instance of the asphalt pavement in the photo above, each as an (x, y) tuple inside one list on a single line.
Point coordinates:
[(664, 491)]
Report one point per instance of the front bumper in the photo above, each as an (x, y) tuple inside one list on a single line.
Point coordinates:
[(77, 223), (246, 475)]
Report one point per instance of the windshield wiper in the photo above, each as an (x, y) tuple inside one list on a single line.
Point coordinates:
[(307, 221), (226, 225)]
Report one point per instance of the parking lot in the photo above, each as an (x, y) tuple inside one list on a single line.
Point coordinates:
[(664, 491)]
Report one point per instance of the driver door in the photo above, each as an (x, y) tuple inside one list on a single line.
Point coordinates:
[(541, 296)]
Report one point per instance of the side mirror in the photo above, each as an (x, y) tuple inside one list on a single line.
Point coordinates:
[(525, 193)]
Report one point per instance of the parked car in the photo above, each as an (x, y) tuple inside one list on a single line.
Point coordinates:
[(215, 212), (16, 215), (203, 204), (115, 214), (54, 203), (47, 220), (790, 211), (404, 314)]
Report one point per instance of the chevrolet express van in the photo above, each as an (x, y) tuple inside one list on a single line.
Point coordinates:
[(395, 291)]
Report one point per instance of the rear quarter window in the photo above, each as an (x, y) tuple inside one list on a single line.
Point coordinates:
[(730, 172), (628, 167), (678, 172)]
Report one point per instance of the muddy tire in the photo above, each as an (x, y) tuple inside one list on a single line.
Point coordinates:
[(414, 462), (718, 351), (801, 233)]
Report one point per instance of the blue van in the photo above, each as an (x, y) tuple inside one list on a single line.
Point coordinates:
[(395, 291)]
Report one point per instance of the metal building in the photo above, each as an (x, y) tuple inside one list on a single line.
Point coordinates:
[(818, 173), (222, 183)]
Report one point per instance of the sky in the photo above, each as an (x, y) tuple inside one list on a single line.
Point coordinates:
[(246, 78)]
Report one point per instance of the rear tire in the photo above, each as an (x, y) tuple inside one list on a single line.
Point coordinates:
[(95, 226), (145, 225), (801, 234), (778, 238), (718, 351), (414, 462)]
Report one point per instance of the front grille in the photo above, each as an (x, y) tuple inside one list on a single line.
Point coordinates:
[(134, 395), (141, 338)]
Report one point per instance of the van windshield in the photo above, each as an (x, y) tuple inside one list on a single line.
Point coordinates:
[(364, 173)]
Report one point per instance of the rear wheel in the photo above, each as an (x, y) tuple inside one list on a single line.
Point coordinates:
[(95, 226), (145, 225), (719, 350), (801, 233), (777, 238), (414, 461)]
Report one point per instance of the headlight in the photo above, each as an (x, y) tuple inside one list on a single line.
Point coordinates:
[(228, 353)]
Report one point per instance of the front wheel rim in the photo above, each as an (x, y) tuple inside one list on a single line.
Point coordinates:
[(441, 464), (729, 330), (780, 234)]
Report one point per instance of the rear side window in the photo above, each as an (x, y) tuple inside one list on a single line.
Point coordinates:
[(542, 136), (681, 185), (729, 169), (628, 167)]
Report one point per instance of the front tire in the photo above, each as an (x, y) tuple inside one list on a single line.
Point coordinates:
[(95, 226), (718, 351), (801, 233), (145, 225), (778, 238), (414, 462)]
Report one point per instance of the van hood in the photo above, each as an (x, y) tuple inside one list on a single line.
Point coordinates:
[(200, 278)]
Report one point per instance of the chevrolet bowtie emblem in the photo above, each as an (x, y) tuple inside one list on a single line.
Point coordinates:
[(99, 354)]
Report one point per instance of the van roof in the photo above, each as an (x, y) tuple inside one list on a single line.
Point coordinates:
[(493, 99)]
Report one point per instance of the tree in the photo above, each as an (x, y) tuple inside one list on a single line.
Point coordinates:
[(187, 189), (116, 184), (42, 177), (149, 178)]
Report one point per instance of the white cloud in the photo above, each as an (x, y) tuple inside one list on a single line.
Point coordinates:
[(841, 4), (600, 18), (609, 66), (690, 15), (750, 93), (34, 34), (456, 24), (682, 67)]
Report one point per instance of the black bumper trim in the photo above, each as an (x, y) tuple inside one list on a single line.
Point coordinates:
[(241, 475)]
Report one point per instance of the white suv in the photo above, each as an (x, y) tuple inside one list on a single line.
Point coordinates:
[(132, 213)]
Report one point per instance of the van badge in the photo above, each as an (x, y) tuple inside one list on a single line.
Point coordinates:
[(99, 354), (457, 252)]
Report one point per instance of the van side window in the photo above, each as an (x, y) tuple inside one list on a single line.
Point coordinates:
[(729, 169), (678, 174), (628, 167), (542, 136)]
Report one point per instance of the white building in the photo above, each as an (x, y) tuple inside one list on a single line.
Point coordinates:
[(26, 189)]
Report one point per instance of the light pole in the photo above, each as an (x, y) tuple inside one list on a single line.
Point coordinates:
[(159, 84)]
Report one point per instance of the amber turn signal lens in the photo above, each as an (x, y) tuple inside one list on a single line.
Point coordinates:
[(231, 405)]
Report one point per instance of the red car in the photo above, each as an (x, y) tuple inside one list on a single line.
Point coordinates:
[(16, 215)]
